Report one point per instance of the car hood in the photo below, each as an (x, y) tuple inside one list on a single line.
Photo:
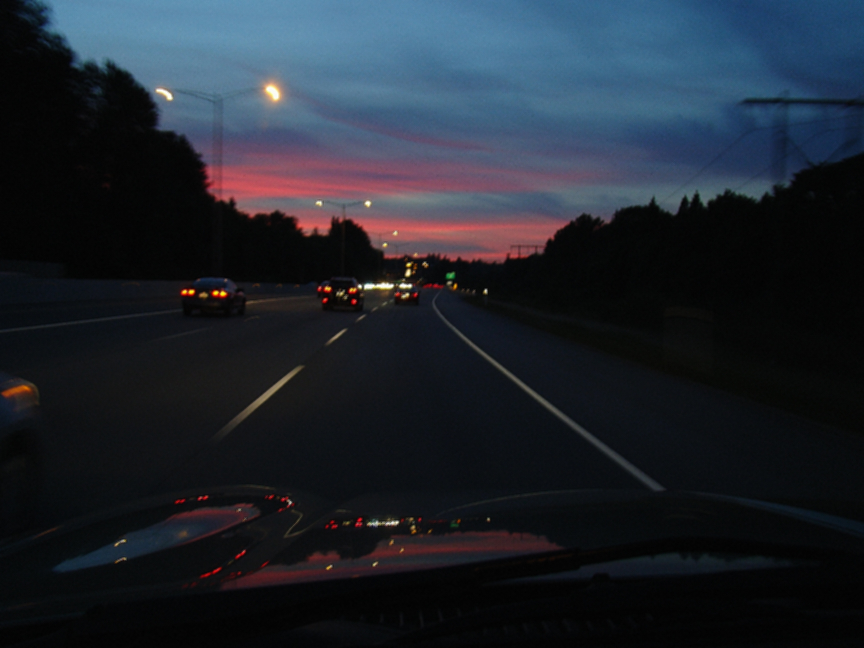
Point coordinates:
[(252, 537)]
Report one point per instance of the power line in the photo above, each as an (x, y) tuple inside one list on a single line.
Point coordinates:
[(750, 132), (781, 126), (717, 157)]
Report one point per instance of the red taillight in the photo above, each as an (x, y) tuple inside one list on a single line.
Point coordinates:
[(325, 300), (352, 291), (187, 292), (353, 302), (398, 294), (328, 289)]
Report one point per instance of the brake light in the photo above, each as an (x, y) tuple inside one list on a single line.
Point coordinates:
[(187, 292), (219, 293), (325, 300), (398, 294), (328, 289), (353, 302), (352, 291)]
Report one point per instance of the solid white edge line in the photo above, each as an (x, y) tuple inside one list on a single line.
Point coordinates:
[(258, 402), (336, 337), (37, 327), (585, 434)]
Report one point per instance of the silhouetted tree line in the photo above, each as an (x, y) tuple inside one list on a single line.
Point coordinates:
[(88, 180), (767, 270)]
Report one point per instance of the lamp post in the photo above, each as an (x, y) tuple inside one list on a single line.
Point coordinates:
[(218, 101), (381, 243), (343, 206)]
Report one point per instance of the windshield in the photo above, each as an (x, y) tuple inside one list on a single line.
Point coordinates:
[(210, 283), (637, 228)]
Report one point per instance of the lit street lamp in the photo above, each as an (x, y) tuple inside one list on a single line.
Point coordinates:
[(381, 242), (343, 206), (218, 101)]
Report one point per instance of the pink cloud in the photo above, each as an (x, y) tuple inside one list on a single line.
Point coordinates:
[(265, 178), (296, 175)]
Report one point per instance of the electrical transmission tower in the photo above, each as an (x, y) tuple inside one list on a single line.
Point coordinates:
[(518, 249), (854, 127)]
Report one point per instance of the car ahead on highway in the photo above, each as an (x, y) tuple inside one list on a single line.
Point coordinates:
[(20, 452), (406, 293), (252, 566), (321, 288), (342, 292), (214, 295)]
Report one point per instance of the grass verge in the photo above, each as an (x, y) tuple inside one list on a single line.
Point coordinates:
[(831, 399)]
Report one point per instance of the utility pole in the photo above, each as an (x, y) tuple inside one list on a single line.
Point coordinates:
[(781, 126)]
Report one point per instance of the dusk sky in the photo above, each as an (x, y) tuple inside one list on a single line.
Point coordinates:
[(475, 125)]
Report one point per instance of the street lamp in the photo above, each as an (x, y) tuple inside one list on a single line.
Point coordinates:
[(382, 243), (343, 206), (218, 101)]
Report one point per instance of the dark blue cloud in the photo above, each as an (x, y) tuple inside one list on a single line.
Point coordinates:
[(530, 110)]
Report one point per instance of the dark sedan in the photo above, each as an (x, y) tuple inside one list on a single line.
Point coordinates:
[(20, 453), (213, 294), (407, 293), (342, 291)]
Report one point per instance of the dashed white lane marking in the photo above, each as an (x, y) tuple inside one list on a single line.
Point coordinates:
[(585, 434), (177, 335), (258, 402), (272, 299), (360, 318), (336, 337)]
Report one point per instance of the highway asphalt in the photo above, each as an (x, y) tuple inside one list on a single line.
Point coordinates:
[(140, 400)]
